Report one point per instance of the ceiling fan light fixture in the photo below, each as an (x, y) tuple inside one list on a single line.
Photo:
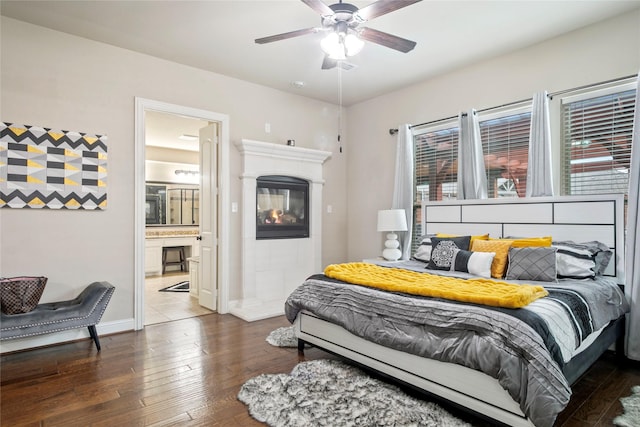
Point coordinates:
[(353, 44), (332, 46), (338, 47)]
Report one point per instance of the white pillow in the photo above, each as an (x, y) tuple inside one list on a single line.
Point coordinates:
[(476, 263)]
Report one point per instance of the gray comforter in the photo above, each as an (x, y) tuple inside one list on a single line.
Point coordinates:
[(492, 341)]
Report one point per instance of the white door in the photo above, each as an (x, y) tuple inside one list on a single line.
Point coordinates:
[(208, 283)]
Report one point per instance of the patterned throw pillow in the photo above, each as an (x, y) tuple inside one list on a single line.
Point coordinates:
[(444, 249), (500, 248), (532, 263), (473, 238), (476, 263)]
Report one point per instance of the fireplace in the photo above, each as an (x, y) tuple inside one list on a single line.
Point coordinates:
[(282, 207), (273, 266)]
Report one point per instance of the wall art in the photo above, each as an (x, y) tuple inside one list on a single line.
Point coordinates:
[(52, 169)]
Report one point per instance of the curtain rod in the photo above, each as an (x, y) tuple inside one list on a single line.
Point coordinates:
[(551, 95)]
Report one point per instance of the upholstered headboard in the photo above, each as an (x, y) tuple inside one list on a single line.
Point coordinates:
[(577, 218)]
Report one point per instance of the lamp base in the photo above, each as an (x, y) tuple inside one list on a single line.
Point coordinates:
[(392, 253)]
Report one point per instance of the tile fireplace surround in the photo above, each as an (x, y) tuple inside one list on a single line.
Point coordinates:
[(272, 269)]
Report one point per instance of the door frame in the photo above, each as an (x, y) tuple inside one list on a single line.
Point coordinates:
[(142, 105)]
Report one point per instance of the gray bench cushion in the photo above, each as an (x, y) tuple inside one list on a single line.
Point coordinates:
[(83, 311)]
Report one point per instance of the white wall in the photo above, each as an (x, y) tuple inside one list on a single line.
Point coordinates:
[(56, 80), (603, 51)]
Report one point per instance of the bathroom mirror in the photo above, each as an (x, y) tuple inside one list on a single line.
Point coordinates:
[(171, 204)]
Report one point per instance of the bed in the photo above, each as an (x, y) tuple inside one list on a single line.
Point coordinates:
[(512, 365)]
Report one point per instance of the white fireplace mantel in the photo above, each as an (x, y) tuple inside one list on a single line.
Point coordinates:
[(273, 268), (267, 150)]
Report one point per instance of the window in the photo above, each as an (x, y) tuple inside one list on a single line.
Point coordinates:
[(596, 141), (435, 168), (597, 126), (436, 163), (505, 144)]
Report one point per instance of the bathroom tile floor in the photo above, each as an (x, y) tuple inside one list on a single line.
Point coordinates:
[(162, 307)]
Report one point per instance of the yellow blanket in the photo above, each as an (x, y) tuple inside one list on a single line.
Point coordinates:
[(479, 291)]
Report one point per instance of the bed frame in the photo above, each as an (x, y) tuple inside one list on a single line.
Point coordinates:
[(578, 218)]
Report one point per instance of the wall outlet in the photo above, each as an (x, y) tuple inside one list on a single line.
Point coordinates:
[(267, 127)]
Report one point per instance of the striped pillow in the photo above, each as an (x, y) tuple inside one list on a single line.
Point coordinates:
[(423, 252), (581, 260), (476, 263)]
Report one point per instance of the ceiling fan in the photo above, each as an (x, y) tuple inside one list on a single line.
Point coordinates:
[(345, 36)]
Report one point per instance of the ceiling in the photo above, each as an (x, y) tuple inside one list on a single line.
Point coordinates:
[(219, 36), (165, 130)]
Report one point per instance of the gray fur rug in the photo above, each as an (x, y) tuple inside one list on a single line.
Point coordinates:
[(332, 393), (631, 405), (283, 337)]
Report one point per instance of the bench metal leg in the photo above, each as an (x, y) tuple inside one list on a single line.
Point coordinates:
[(94, 336)]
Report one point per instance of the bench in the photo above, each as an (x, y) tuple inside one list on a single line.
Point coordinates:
[(85, 310)]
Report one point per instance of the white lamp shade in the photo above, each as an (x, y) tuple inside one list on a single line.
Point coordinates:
[(392, 220)]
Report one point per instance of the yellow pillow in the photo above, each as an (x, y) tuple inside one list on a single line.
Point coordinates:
[(529, 241), (500, 248), (473, 238)]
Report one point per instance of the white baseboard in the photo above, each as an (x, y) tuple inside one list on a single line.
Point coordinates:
[(255, 309), (103, 328)]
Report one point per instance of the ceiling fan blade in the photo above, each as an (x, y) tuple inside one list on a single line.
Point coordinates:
[(386, 39), (329, 63), (319, 7), (288, 35), (382, 7)]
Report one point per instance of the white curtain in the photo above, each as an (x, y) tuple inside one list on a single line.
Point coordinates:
[(472, 179), (403, 186), (539, 174), (632, 261)]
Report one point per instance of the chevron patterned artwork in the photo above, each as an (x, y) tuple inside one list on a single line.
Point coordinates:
[(52, 169)]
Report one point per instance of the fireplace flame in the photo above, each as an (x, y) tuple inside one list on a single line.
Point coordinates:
[(274, 217)]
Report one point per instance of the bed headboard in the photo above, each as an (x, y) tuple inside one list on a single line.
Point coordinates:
[(577, 218)]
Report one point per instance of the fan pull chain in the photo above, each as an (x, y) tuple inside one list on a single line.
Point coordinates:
[(339, 106)]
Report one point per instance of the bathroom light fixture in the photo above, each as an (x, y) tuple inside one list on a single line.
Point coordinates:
[(182, 172)]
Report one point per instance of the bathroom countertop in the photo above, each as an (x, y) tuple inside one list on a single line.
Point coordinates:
[(161, 234)]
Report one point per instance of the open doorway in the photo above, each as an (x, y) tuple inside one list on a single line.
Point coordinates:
[(176, 185), (172, 211)]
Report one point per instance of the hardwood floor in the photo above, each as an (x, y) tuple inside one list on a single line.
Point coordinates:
[(188, 372)]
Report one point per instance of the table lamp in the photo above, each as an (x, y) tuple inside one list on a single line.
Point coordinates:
[(392, 220)]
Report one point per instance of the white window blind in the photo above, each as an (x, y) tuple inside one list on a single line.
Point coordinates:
[(505, 144), (436, 162), (596, 144)]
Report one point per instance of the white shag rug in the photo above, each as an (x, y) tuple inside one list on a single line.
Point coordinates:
[(332, 393), (631, 405), (283, 337)]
